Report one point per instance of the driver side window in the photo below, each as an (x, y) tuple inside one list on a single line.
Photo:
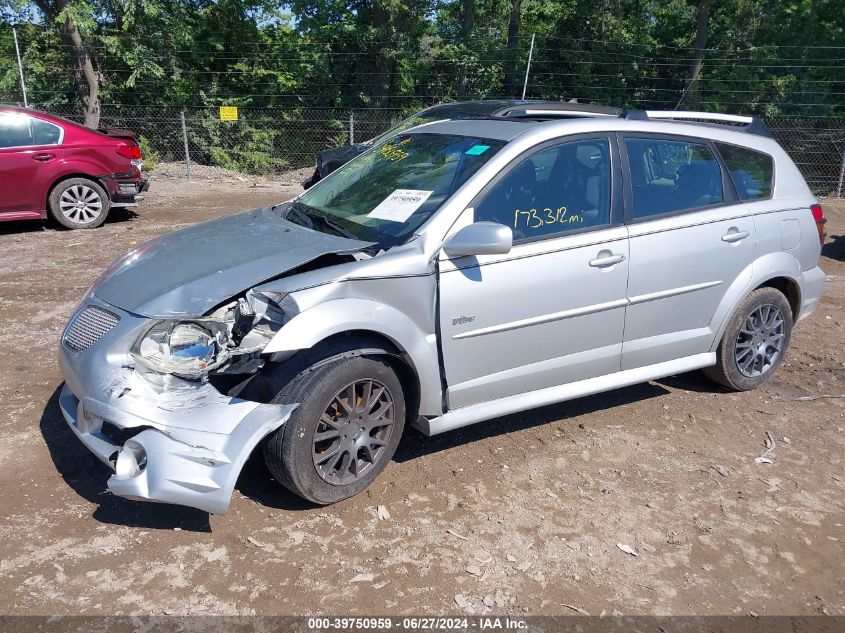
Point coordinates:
[(559, 189)]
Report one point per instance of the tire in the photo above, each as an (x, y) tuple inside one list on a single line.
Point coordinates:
[(755, 341), (79, 203), (319, 469)]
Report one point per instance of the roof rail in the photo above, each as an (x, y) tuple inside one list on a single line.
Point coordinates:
[(748, 124), (557, 114)]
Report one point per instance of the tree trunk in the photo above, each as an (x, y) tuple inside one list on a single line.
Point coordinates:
[(700, 44), (90, 93), (466, 31), (384, 61), (510, 81), (72, 39)]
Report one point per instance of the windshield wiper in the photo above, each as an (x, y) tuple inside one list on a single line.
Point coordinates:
[(332, 226), (297, 210), (309, 215)]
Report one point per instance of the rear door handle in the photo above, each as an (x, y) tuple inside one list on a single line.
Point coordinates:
[(734, 235), (44, 157), (605, 259)]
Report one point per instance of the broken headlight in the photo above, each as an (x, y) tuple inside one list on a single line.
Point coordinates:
[(184, 348)]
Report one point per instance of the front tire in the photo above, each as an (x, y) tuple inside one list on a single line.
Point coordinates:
[(345, 431), (755, 341), (79, 203)]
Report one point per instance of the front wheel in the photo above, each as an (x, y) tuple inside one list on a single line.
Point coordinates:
[(755, 341), (79, 203), (343, 434)]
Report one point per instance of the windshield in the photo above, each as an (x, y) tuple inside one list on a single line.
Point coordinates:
[(385, 194), (424, 116)]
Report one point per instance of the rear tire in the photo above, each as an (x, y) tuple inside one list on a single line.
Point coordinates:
[(755, 341), (335, 444), (79, 203)]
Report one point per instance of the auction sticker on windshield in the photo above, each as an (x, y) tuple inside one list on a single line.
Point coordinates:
[(400, 205)]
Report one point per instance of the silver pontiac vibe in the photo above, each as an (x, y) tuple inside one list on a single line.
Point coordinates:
[(459, 271)]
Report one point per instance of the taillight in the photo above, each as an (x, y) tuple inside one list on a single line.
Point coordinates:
[(818, 216), (132, 152)]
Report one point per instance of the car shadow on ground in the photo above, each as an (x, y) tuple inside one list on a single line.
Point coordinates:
[(692, 381), (86, 476), (835, 248), (256, 483), (117, 215), (413, 447)]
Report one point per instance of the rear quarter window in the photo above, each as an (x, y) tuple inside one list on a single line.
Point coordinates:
[(45, 133), (752, 172)]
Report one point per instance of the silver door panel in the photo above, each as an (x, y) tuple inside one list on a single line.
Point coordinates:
[(681, 268), (538, 317)]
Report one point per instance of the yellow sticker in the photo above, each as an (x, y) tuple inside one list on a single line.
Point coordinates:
[(228, 113)]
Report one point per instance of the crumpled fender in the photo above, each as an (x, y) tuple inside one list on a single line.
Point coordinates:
[(336, 316)]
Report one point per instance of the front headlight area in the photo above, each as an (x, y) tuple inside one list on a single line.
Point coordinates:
[(188, 349), (229, 340)]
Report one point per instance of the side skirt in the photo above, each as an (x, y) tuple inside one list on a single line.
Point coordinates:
[(465, 416)]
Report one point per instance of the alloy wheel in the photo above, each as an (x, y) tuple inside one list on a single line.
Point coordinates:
[(759, 343), (80, 204), (353, 431)]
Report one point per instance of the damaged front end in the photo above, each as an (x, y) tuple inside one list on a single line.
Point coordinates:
[(157, 403), (157, 356)]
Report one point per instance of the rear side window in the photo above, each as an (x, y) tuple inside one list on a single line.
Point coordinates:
[(670, 176), (751, 172), (15, 131), (45, 133)]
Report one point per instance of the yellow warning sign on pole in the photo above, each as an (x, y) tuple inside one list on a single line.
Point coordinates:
[(228, 113)]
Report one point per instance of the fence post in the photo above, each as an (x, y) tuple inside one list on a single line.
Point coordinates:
[(351, 127), (20, 67), (841, 173), (528, 67), (185, 139)]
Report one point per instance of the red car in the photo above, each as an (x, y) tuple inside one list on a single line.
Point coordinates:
[(74, 172)]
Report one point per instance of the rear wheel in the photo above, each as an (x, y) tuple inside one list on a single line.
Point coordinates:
[(755, 341), (345, 431), (79, 203)]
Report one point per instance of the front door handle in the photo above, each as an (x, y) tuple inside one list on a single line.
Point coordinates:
[(734, 235), (605, 259), (44, 157)]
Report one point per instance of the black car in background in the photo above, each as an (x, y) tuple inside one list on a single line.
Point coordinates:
[(328, 160)]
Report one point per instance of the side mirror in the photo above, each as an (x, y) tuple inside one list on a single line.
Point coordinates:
[(480, 238)]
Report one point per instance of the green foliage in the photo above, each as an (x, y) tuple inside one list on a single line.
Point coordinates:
[(148, 153), (248, 145), (761, 57), (408, 53)]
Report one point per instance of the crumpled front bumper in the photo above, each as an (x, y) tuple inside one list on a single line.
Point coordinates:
[(154, 463), (181, 442)]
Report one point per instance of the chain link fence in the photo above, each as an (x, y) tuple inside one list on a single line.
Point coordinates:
[(270, 142), (261, 141)]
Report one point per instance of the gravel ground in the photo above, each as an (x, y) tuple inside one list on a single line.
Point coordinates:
[(645, 500)]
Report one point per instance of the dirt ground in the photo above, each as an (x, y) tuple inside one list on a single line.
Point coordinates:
[(525, 515)]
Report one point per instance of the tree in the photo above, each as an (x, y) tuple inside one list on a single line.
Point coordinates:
[(62, 13), (701, 24), (510, 81), (468, 14)]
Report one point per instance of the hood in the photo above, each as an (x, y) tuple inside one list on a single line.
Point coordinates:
[(190, 271)]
